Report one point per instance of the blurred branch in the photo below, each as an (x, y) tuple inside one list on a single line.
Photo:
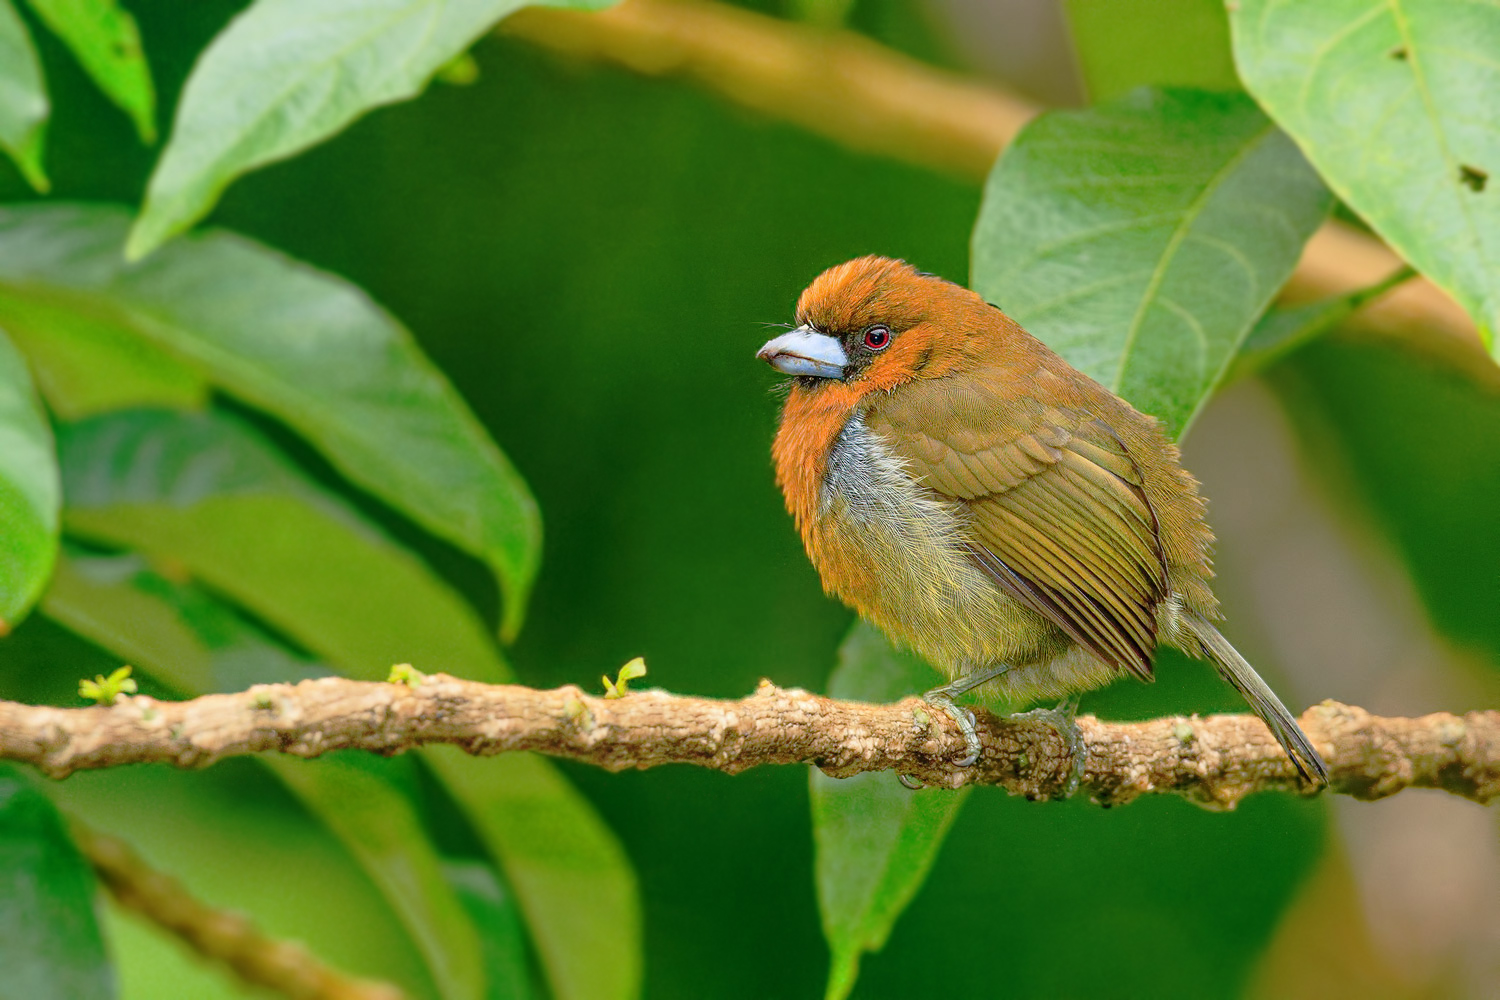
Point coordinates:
[(1214, 761), (865, 96), (220, 936)]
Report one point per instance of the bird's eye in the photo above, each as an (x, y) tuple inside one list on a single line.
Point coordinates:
[(877, 337)]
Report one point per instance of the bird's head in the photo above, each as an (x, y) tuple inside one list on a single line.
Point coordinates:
[(875, 323)]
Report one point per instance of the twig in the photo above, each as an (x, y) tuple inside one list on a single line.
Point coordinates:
[(863, 95), (1214, 761), (230, 938)]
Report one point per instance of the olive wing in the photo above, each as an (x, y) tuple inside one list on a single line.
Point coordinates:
[(1056, 517)]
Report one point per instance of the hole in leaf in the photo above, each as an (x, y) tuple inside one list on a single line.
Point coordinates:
[(1472, 177)]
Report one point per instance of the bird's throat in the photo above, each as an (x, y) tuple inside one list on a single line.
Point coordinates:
[(811, 423)]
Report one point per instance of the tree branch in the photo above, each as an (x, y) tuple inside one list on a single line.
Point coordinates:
[(858, 93), (1214, 761), (218, 935)]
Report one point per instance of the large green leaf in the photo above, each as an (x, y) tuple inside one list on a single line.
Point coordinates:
[(29, 492), (876, 840), (206, 492), (106, 42), (86, 365), (1142, 239), (1394, 102), (1166, 43), (287, 74), (202, 491), (23, 97), (193, 643), (300, 344), (574, 881), (50, 946)]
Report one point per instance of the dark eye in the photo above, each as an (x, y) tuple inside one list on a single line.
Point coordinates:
[(877, 337)]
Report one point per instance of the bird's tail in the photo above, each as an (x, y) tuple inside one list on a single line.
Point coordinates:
[(1234, 669)]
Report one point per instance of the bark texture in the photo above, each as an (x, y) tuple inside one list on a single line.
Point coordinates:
[(1214, 760)]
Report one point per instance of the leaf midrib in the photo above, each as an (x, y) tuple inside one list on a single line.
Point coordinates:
[(1174, 243)]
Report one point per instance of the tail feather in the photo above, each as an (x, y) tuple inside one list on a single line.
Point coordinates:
[(1233, 668)]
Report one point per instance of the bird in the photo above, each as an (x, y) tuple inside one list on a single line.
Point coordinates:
[(985, 504)]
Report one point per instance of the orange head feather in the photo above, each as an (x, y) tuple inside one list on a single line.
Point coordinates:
[(935, 328)]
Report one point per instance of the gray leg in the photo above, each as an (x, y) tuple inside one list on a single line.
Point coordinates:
[(943, 697), (1061, 719)]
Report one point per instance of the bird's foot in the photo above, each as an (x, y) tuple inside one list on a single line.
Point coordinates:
[(940, 698), (1061, 719)]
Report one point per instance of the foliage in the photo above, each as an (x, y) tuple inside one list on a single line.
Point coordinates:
[(224, 461), (52, 942)]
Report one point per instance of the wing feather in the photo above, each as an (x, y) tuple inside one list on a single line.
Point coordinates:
[(1057, 518)]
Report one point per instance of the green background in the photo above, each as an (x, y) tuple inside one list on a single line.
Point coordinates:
[(593, 259)]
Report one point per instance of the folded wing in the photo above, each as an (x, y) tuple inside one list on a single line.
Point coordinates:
[(1057, 516)]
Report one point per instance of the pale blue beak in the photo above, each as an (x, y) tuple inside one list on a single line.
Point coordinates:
[(805, 351)]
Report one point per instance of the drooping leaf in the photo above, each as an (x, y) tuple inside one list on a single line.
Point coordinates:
[(1142, 239), (574, 881), (302, 345), (1394, 103), (383, 830), (191, 642), (502, 939), (23, 98), (1166, 43), (85, 365), (107, 44), (206, 492), (203, 492), (287, 74), (50, 945), (875, 839), (1284, 329), (29, 491)]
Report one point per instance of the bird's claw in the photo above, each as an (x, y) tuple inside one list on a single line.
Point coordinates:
[(1061, 719), (967, 725)]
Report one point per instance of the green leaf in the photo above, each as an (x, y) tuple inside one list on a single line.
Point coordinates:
[(1285, 329), (104, 39), (574, 881), (302, 345), (173, 631), (493, 910), (875, 839), (1166, 43), (50, 945), (23, 98), (1394, 103), (104, 690), (1142, 239), (382, 828), (29, 491), (205, 493), (287, 74), (238, 841), (85, 364)]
